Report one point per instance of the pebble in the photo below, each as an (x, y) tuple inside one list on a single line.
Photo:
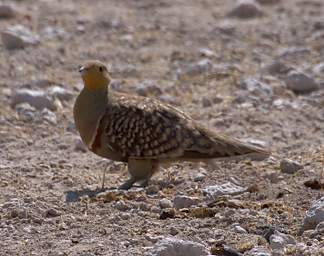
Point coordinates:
[(277, 67), (319, 68), (199, 177), (299, 82), (122, 206), (314, 215), (258, 251), (182, 201), (289, 166), (173, 231), (50, 213), (35, 98), (229, 188), (165, 203), (177, 247), (246, 9), (17, 37), (205, 52), (278, 240), (52, 32), (256, 87), (49, 116), (239, 229), (269, 1), (7, 11), (26, 111), (320, 228), (60, 93)]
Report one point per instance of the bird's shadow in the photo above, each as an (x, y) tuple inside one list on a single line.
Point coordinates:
[(75, 196)]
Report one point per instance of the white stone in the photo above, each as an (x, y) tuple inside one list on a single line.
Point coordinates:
[(278, 240), (178, 247), (258, 251), (229, 188), (299, 82), (35, 98), (18, 37), (182, 201), (60, 93), (314, 215)]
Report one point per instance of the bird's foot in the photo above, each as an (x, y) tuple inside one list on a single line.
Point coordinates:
[(127, 185)]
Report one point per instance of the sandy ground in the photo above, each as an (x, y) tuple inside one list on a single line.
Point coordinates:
[(186, 52)]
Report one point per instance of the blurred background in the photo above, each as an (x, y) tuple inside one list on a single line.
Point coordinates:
[(250, 69)]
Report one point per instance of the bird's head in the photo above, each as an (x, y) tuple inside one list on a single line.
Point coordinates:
[(95, 75)]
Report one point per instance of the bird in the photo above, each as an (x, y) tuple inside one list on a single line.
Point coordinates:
[(144, 132)]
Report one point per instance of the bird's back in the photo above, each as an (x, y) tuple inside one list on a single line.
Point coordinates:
[(145, 128)]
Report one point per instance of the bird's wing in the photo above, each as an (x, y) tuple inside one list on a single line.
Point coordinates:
[(146, 128)]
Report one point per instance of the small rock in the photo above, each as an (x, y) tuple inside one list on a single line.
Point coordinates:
[(121, 206), (299, 82), (278, 241), (258, 251), (51, 32), (173, 231), (246, 9), (49, 116), (290, 167), (319, 68), (314, 184), (293, 52), (18, 37), (35, 98), (199, 177), (205, 52), (269, 1), (50, 213), (26, 111), (182, 201), (168, 213), (229, 188), (165, 203), (314, 215), (239, 229), (276, 68), (152, 189), (177, 247), (7, 11), (320, 228), (60, 93), (256, 87)]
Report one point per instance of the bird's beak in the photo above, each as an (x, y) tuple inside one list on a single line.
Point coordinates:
[(81, 69)]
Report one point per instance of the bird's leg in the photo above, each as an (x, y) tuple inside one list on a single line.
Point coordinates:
[(104, 177), (140, 170)]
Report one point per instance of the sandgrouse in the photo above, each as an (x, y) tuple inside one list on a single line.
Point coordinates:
[(143, 132)]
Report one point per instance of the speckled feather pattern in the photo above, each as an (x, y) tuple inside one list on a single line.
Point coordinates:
[(145, 128)]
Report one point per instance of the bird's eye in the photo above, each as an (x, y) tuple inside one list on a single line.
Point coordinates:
[(101, 69)]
